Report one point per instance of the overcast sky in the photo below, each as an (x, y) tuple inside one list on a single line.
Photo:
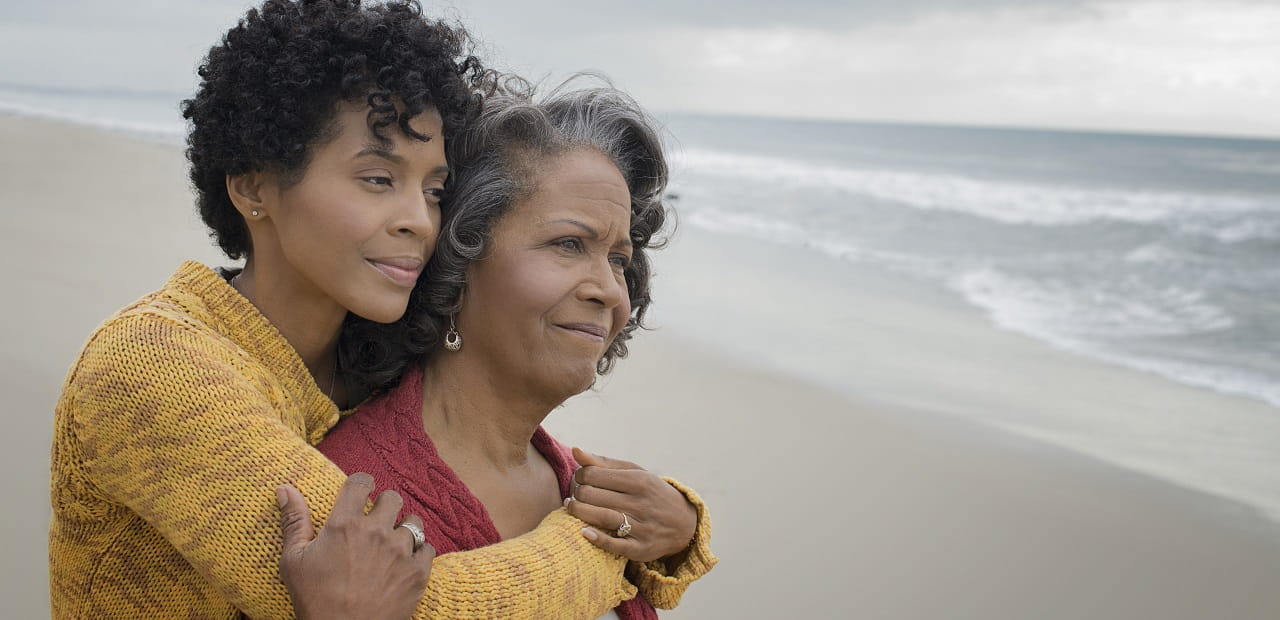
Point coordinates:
[(1185, 66)]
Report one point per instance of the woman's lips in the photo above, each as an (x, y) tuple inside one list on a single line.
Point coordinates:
[(402, 270), (589, 331)]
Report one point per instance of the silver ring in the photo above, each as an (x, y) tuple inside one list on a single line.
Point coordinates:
[(419, 537), (625, 529)]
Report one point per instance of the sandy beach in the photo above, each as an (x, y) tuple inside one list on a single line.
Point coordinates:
[(845, 471)]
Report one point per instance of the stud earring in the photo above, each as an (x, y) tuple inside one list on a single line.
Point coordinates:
[(452, 340), (255, 213)]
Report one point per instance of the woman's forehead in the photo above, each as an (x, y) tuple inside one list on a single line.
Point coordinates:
[(583, 182)]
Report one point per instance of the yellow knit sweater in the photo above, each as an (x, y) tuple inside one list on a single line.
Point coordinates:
[(183, 413)]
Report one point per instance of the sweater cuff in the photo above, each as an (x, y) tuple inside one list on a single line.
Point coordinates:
[(550, 572), (663, 584)]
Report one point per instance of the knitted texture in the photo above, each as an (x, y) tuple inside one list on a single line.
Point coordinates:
[(183, 413), (386, 439), (663, 584)]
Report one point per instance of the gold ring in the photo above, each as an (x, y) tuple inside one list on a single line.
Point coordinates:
[(625, 528)]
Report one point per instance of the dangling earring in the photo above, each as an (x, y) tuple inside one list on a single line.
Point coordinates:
[(452, 340)]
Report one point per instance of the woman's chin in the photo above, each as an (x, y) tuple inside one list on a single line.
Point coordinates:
[(388, 312), (567, 382), (584, 380)]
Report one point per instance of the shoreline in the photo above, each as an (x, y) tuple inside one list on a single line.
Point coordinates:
[(899, 341), (835, 476), (859, 508)]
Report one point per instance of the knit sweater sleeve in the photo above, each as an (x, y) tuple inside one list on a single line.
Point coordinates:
[(663, 582), (174, 424)]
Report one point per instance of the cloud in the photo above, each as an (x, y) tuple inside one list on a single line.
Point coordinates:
[(1200, 66), (146, 45), (1195, 66), (573, 15)]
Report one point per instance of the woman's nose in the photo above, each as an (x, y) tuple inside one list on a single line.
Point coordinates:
[(416, 215), (601, 284)]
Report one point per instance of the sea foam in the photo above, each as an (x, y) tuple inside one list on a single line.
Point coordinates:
[(1004, 201)]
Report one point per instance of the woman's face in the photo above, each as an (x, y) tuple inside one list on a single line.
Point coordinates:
[(549, 296), (359, 226)]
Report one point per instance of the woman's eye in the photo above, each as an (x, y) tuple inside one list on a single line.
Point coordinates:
[(620, 260), (435, 193), (572, 245), (379, 181)]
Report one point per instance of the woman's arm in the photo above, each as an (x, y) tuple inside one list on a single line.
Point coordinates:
[(319, 578), (669, 544), (172, 425), (663, 581)]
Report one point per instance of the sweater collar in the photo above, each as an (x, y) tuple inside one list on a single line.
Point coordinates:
[(245, 325), (402, 407), (405, 403)]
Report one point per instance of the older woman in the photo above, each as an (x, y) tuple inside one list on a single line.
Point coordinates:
[(538, 282), (317, 154)]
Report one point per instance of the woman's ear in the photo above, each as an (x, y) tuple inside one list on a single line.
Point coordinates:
[(248, 192)]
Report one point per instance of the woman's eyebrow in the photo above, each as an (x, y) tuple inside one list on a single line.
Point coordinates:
[(382, 152), (379, 151), (592, 232), (580, 224)]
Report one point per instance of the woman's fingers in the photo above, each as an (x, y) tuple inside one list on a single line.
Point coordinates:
[(425, 554), (625, 547), (416, 521), (586, 458), (355, 559), (604, 519), (387, 507), (663, 519), (621, 480), (605, 498), (295, 520), (352, 496)]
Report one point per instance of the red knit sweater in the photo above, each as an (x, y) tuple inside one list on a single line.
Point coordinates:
[(385, 438)]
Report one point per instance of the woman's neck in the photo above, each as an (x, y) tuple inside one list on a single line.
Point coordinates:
[(476, 417), (310, 323)]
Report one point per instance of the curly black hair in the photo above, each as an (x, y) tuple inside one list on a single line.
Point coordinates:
[(269, 91), (499, 160)]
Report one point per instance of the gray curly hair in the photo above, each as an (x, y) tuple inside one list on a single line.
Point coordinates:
[(497, 162)]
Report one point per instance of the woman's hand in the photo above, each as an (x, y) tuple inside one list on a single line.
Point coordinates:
[(604, 489), (359, 566)]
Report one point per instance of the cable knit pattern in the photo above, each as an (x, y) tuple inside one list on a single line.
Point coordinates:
[(182, 414), (386, 439)]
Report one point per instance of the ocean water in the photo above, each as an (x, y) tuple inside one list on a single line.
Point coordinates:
[(1157, 253), (153, 115)]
